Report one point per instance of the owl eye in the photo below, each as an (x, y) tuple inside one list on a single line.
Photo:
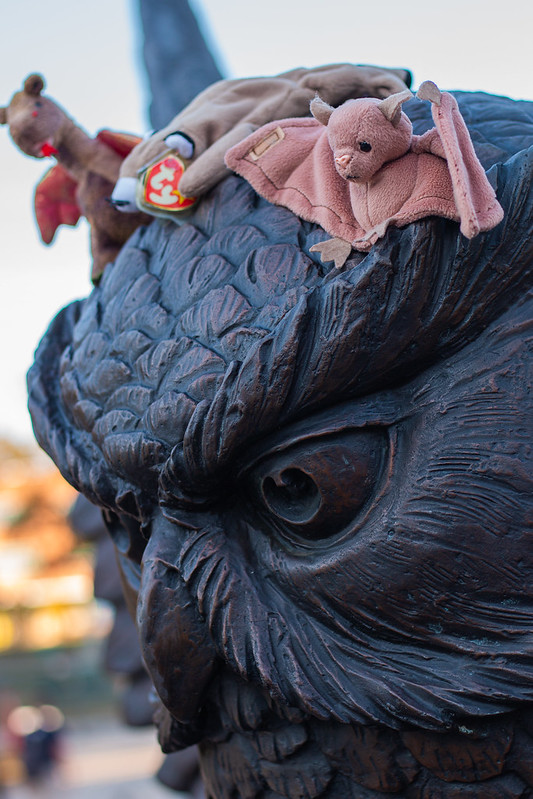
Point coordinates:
[(313, 489), (292, 495)]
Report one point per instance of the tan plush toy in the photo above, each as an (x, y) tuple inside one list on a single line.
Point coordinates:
[(83, 178), (224, 114)]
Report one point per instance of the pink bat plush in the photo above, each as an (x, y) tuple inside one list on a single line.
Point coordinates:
[(358, 168)]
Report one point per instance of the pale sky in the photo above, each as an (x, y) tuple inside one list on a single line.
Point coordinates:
[(89, 54)]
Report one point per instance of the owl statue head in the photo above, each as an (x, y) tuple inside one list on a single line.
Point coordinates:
[(319, 485)]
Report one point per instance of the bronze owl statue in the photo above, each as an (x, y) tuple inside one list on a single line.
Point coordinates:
[(319, 485)]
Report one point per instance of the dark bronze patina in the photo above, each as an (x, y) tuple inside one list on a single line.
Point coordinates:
[(320, 486)]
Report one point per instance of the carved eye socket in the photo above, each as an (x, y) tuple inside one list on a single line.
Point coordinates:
[(315, 488), (364, 146)]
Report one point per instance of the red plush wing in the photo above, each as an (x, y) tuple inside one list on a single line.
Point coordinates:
[(474, 197), (55, 202), (290, 163), (121, 143)]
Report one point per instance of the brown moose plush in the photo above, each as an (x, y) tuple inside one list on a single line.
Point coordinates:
[(83, 178)]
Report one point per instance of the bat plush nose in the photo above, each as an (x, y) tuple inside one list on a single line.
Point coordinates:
[(342, 160)]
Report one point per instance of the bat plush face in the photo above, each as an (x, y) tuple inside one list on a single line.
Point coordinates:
[(365, 134), (320, 485)]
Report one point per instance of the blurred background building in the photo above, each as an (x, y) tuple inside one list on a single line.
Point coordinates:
[(46, 578)]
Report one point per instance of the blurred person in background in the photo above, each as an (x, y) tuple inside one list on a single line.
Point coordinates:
[(40, 730)]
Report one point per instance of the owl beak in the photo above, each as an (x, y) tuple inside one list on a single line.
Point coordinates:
[(175, 641)]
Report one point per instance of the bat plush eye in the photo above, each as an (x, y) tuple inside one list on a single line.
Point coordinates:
[(312, 490), (364, 146)]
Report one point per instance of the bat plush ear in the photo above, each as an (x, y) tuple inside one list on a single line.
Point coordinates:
[(321, 110), (391, 107), (3, 116), (34, 84)]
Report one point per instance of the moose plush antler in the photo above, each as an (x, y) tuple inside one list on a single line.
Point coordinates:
[(358, 168), (83, 178)]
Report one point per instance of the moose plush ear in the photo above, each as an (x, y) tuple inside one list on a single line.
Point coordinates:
[(321, 110), (3, 116), (391, 107), (34, 84)]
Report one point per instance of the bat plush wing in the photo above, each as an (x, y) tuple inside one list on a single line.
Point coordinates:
[(289, 162), (474, 197), (55, 202)]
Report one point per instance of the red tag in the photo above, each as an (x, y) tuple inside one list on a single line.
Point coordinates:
[(160, 185)]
